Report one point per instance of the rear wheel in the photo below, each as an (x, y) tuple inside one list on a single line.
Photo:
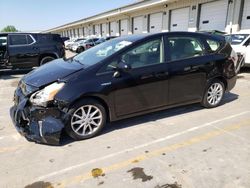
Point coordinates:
[(214, 94), (87, 119), (46, 59)]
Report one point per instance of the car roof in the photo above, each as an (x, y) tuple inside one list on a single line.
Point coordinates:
[(137, 37), (240, 33), (7, 33)]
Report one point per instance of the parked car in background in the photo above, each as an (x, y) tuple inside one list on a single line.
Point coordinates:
[(122, 78), (26, 50), (64, 38), (214, 32), (89, 43), (70, 42), (241, 44), (73, 47), (101, 40)]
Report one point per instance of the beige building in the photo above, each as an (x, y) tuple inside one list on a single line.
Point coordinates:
[(163, 15)]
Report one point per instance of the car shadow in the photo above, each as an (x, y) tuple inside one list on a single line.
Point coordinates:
[(121, 124), (7, 74)]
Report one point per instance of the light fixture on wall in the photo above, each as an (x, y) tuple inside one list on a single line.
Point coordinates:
[(165, 6)]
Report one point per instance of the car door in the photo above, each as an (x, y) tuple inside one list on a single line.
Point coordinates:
[(145, 85), (23, 51), (187, 68)]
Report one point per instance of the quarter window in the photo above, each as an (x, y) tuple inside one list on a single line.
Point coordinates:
[(184, 47), (29, 39), (214, 45)]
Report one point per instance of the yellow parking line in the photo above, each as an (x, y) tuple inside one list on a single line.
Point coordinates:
[(170, 148)]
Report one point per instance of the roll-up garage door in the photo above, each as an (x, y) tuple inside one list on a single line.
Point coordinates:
[(179, 19), (124, 27), (104, 30), (245, 24), (138, 24), (113, 29), (213, 15), (155, 23), (97, 30), (86, 33), (90, 30)]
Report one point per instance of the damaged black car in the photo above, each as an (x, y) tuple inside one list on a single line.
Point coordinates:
[(122, 78)]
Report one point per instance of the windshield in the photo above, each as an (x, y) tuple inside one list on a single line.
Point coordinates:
[(100, 52), (236, 39)]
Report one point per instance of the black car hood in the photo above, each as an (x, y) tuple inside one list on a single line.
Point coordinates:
[(51, 72)]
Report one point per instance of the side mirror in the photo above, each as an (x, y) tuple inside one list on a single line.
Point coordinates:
[(122, 66)]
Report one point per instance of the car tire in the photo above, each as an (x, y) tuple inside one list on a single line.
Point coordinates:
[(80, 50), (214, 94), (86, 119), (46, 59)]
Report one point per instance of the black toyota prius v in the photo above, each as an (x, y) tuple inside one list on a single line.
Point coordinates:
[(121, 78)]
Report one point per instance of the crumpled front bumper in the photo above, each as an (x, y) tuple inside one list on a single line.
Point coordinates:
[(38, 124)]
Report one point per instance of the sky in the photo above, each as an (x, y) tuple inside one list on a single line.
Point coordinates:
[(39, 15)]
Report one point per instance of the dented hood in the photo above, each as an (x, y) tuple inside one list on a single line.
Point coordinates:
[(51, 72)]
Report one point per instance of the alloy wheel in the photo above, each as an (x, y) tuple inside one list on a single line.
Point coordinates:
[(215, 94), (86, 120)]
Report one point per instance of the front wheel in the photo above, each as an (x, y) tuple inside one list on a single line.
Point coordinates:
[(80, 50), (87, 119), (214, 94)]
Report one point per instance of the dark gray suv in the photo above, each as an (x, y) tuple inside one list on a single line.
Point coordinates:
[(26, 50)]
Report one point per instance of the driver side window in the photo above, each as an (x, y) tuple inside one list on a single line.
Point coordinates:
[(145, 54), (148, 53)]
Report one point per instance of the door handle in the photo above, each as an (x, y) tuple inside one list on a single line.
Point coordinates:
[(187, 68), (161, 74), (146, 76)]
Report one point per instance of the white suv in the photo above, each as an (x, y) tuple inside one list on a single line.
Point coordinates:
[(240, 42)]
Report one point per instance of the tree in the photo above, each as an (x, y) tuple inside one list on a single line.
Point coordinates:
[(9, 28)]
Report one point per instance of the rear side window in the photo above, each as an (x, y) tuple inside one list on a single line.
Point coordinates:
[(214, 45), (18, 40), (184, 47)]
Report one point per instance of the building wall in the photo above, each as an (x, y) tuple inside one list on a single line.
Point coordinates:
[(233, 17)]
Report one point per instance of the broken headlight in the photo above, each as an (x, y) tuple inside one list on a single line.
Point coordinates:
[(42, 97)]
